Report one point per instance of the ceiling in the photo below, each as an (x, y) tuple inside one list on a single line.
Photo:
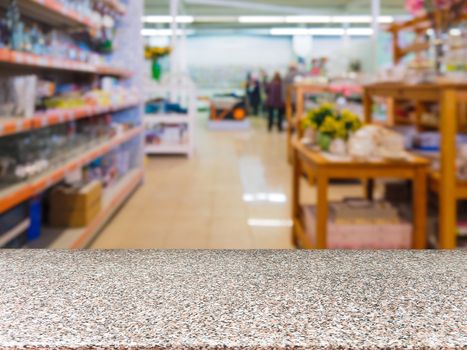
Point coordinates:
[(273, 7)]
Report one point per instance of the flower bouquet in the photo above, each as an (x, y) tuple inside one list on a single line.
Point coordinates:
[(331, 124)]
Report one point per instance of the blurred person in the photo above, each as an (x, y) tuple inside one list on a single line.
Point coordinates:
[(254, 94), (275, 102)]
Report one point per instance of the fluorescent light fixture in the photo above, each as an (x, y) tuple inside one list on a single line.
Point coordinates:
[(261, 19), (322, 31), (265, 197), (216, 19), (360, 31), (168, 19), (351, 19), (455, 32), (308, 31), (269, 223), (361, 19), (163, 32), (385, 19), (308, 19)]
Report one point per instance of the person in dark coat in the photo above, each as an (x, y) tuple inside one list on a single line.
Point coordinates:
[(275, 102), (254, 95)]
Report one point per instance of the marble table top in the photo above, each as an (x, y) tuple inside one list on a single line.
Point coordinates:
[(233, 300)]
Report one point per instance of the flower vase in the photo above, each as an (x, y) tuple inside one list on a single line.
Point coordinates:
[(310, 136), (324, 141), (338, 147)]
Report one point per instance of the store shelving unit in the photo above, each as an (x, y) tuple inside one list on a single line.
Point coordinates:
[(20, 59), (16, 194), (419, 26), (57, 15), (10, 126), (78, 238), (183, 93), (450, 96), (53, 12), (320, 171)]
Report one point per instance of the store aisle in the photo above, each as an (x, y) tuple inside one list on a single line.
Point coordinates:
[(232, 194)]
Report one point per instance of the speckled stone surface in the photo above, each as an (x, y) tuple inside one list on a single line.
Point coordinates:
[(233, 300)]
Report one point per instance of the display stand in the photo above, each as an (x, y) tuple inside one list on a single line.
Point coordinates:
[(321, 170), (450, 96), (183, 92), (129, 53)]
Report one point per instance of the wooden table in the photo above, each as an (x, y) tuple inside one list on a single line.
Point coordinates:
[(452, 98), (322, 170)]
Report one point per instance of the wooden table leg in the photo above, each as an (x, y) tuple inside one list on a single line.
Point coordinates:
[(370, 189), (296, 174), (322, 208), (448, 177), (367, 107), (419, 187)]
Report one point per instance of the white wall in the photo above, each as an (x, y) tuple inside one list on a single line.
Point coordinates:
[(223, 61)]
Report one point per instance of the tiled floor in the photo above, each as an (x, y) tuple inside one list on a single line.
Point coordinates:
[(234, 193)]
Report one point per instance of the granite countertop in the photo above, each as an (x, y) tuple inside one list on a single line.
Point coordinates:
[(233, 300)]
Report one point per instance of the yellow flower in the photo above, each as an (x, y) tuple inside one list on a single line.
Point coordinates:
[(329, 126)]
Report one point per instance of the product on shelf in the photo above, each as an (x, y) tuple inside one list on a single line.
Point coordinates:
[(14, 225), (19, 34), (76, 206), (23, 156), (17, 96), (160, 106), (166, 134), (362, 231), (375, 142)]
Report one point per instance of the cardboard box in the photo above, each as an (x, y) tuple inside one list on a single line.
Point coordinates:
[(75, 198), (74, 218), (75, 207)]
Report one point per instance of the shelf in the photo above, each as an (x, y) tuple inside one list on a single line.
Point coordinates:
[(10, 126), (461, 187), (25, 59), (167, 118), (78, 238), (415, 47), (14, 232), (53, 13), (10, 197), (167, 149)]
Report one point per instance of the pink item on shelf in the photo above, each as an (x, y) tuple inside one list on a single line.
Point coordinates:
[(360, 236)]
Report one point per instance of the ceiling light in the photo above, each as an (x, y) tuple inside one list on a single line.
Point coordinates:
[(351, 19), (360, 31), (308, 31), (269, 223), (308, 19), (361, 19), (168, 19), (216, 19), (261, 19), (163, 32), (385, 19)]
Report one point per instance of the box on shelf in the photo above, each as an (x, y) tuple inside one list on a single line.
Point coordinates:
[(75, 206), (372, 234)]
